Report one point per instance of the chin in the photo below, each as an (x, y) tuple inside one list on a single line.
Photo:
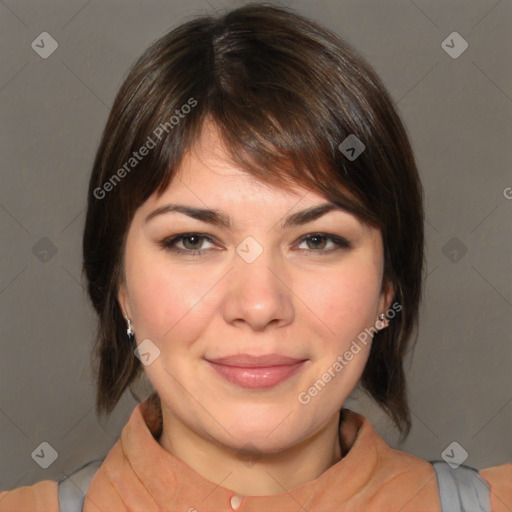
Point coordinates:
[(270, 433)]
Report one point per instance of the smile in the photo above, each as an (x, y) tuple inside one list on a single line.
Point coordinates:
[(257, 377)]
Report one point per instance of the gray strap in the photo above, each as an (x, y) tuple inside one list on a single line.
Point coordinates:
[(74, 487), (461, 489)]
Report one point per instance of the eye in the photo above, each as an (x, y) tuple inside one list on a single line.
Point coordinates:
[(319, 242), (191, 242)]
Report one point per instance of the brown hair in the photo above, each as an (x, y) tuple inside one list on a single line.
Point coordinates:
[(284, 93)]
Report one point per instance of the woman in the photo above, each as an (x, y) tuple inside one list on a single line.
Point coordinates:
[(254, 245)]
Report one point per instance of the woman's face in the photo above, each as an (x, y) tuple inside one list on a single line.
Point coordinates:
[(256, 288)]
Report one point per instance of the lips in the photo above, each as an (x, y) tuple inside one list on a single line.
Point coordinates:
[(248, 361), (256, 372)]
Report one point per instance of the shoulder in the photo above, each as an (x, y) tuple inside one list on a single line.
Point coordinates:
[(397, 480), (410, 481), (499, 479), (393, 480), (39, 497)]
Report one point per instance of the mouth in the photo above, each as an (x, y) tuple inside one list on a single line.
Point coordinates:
[(262, 372)]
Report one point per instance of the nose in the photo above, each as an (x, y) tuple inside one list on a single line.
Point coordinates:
[(258, 294)]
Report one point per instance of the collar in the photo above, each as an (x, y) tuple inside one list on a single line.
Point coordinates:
[(173, 483), (138, 474)]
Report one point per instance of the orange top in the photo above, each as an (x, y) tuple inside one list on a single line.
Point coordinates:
[(139, 475)]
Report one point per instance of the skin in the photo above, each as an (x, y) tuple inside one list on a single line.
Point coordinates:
[(290, 300)]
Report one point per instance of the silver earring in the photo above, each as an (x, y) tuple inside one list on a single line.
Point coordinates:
[(382, 320), (130, 331)]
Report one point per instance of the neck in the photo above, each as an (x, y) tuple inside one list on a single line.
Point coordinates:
[(254, 473)]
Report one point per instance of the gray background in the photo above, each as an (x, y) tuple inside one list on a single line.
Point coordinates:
[(458, 114)]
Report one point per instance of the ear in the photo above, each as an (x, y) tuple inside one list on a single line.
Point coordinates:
[(386, 297), (123, 300)]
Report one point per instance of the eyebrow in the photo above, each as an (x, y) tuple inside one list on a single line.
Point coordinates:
[(219, 218)]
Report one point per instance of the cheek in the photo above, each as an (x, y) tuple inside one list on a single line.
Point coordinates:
[(333, 304), (164, 299), (345, 299)]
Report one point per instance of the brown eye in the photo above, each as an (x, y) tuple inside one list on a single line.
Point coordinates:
[(192, 243), (317, 243)]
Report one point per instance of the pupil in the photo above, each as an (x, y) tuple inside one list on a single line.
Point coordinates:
[(315, 238), (192, 238)]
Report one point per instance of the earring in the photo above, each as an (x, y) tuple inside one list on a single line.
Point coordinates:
[(382, 320), (130, 331)]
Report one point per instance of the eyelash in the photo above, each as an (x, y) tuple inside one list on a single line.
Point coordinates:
[(170, 243)]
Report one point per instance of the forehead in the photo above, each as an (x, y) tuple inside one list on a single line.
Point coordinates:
[(208, 185), (207, 173)]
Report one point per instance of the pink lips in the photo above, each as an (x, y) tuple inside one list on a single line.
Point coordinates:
[(256, 372)]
